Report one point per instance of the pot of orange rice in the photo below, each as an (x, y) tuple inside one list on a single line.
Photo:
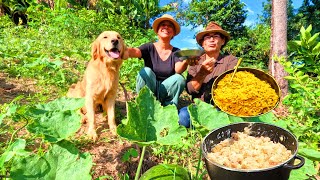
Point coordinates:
[(251, 92)]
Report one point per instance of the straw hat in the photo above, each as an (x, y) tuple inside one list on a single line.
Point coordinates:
[(166, 17), (212, 27)]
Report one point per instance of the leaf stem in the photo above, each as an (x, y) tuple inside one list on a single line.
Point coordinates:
[(140, 163), (16, 131), (199, 161)]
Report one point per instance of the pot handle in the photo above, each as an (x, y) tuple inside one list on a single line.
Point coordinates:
[(301, 163)]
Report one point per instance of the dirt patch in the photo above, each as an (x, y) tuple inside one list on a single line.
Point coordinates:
[(10, 88), (108, 152)]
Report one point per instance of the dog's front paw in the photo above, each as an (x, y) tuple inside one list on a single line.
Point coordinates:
[(92, 135), (113, 130)]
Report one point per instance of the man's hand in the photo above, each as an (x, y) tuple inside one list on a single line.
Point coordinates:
[(207, 66), (193, 60)]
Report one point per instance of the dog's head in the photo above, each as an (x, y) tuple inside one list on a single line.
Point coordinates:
[(109, 45)]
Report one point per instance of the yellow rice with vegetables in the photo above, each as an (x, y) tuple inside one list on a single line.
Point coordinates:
[(246, 95)]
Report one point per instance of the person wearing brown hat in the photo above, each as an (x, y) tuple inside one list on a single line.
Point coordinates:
[(210, 65), (162, 71)]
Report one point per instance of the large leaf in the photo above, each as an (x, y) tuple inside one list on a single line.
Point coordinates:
[(16, 148), (57, 119), (63, 161), (313, 39), (205, 117), (63, 104), (11, 108), (149, 122), (56, 125), (304, 172), (266, 118), (166, 172), (235, 119), (310, 153)]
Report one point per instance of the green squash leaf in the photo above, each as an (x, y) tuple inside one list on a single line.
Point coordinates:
[(205, 117), (56, 125), (63, 161), (235, 119), (148, 122), (266, 118), (166, 172), (31, 167), (16, 148), (304, 172), (57, 119), (310, 154), (63, 104)]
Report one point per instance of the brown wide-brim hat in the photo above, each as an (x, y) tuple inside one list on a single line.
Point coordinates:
[(211, 28), (166, 17)]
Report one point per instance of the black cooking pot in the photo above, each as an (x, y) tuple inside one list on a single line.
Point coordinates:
[(275, 133)]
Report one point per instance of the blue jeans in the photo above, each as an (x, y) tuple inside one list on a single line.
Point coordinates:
[(184, 117), (166, 91)]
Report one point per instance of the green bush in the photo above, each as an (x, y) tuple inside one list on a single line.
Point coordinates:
[(55, 46), (303, 98), (254, 49)]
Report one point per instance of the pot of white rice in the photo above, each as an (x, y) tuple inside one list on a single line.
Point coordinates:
[(250, 151)]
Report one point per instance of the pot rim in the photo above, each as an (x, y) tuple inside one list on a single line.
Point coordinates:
[(294, 154)]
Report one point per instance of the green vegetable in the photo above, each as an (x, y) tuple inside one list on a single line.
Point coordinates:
[(148, 122), (166, 172), (63, 161)]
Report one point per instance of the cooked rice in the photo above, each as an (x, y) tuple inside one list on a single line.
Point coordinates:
[(243, 151), (246, 95)]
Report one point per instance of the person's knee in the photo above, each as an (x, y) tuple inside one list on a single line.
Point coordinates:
[(180, 82), (184, 117), (146, 71), (181, 79)]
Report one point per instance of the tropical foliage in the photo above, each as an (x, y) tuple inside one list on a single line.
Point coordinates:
[(230, 14), (55, 47)]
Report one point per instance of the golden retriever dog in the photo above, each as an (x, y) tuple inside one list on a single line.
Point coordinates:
[(101, 78)]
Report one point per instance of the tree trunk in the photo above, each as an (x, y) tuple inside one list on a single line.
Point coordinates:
[(279, 47), (1, 10), (49, 2)]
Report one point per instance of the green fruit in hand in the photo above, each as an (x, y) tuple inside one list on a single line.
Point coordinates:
[(166, 172)]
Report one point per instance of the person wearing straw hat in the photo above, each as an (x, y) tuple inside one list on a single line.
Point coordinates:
[(162, 71), (209, 66)]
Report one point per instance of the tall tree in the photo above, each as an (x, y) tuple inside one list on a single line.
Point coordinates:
[(265, 18), (139, 12), (308, 14), (279, 44), (230, 14)]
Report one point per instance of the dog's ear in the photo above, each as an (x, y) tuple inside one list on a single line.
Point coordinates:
[(125, 53), (95, 49)]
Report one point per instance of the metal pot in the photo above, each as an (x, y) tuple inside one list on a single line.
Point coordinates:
[(259, 74), (275, 133)]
